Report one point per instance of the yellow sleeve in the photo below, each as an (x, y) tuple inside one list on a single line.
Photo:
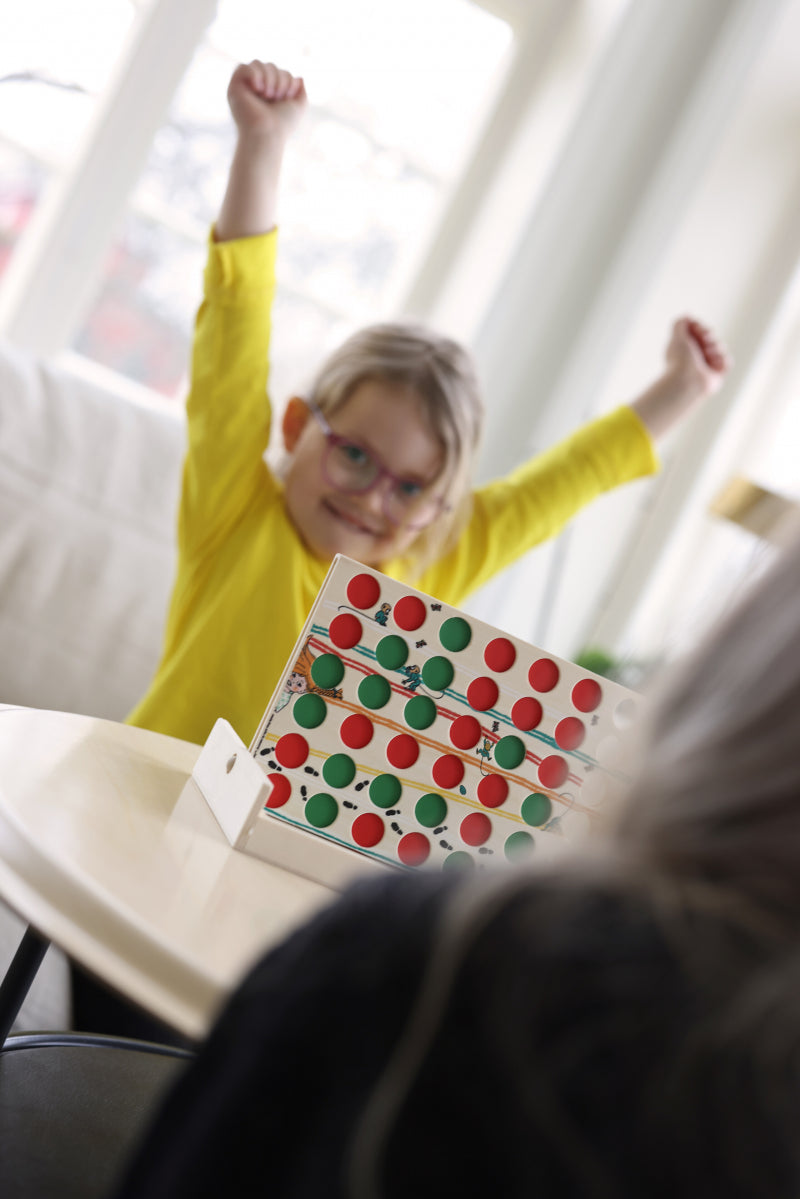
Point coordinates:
[(535, 501), (228, 412)]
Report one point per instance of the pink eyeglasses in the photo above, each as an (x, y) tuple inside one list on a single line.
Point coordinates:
[(350, 467)]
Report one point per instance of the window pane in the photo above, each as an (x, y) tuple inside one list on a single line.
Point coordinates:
[(54, 61), (188, 163), (390, 123), (141, 322), (22, 182), (392, 119), (415, 75)]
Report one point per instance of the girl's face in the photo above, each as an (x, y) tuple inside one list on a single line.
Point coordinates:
[(389, 421)]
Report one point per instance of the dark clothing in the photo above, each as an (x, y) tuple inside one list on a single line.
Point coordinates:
[(270, 1102), (578, 1055)]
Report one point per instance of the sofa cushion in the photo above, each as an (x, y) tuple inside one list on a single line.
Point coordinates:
[(89, 484)]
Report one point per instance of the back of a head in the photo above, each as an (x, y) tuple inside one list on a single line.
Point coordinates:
[(595, 1039), (586, 1032)]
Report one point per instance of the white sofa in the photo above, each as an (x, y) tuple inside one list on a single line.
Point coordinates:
[(89, 483)]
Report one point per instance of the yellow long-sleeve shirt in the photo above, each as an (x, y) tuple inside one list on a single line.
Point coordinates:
[(245, 580)]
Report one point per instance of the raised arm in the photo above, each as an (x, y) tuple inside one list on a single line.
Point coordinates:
[(227, 406), (695, 367), (266, 103)]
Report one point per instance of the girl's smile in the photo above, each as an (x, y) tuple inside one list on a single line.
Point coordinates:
[(351, 519)]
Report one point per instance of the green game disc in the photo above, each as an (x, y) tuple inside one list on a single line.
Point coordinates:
[(327, 670), (385, 790), (339, 770), (437, 673), (374, 691), (518, 845), (321, 810), (455, 634), (420, 712), (391, 652), (430, 810), (509, 752), (536, 809), (309, 711), (458, 861)]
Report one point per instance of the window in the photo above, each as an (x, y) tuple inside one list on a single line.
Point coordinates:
[(51, 75), (390, 124), (727, 554)]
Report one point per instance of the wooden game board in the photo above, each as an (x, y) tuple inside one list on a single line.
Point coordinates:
[(412, 734)]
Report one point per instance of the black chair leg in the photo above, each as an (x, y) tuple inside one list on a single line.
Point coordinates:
[(19, 976)]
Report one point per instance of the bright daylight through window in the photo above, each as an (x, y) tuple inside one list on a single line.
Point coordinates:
[(51, 75), (390, 125)]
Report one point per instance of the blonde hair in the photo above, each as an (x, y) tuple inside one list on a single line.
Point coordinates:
[(442, 373), (717, 793)]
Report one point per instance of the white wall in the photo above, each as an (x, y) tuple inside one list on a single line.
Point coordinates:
[(675, 189)]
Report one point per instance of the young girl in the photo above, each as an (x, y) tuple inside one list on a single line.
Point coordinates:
[(380, 455)]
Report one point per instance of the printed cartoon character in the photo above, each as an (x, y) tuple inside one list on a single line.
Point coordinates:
[(300, 681), (413, 677), (296, 684), (382, 615), (485, 750)]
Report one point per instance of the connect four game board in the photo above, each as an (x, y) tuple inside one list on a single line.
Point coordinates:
[(414, 735)]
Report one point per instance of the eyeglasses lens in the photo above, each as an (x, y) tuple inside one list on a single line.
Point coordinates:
[(349, 467)]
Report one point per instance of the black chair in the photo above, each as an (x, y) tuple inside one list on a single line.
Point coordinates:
[(72, 1106)]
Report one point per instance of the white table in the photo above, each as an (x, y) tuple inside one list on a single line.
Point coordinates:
[(103, 852)]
